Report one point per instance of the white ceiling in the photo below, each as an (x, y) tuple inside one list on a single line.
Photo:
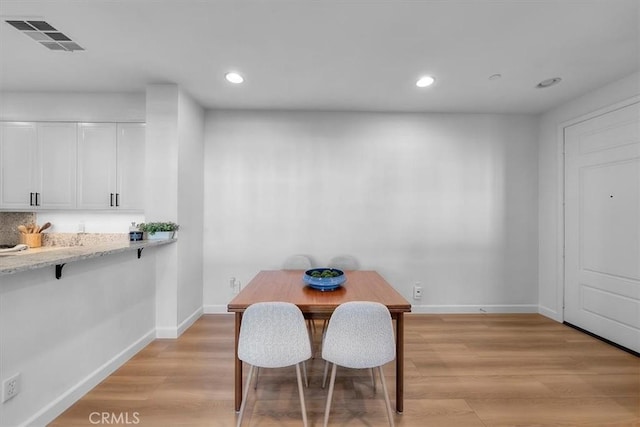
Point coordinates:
[(360, 55)]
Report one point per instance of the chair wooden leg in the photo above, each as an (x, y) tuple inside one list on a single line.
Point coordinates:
[(301, 392), (324, 376), (373, 380), (311, 328), (244, 398), (386, 397), (332, 382), (304, 373), (325, 323), (255, 384)]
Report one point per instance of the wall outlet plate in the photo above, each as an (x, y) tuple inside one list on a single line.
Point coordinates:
[(10, 387), (417, 291)]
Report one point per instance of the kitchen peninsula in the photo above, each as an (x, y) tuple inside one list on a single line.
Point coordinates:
[(35, 258), (63, 336)]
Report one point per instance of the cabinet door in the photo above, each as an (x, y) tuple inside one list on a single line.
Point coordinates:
[(18, 169), (57, 144), (96, 165), (131, 155)]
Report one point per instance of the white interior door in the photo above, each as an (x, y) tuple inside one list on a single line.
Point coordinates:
[(602, 226)]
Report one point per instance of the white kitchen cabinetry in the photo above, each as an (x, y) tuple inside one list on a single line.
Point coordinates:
[(57, 148), (38, 165), (111, 166), (130, 165), (96, 165), (18, 142)]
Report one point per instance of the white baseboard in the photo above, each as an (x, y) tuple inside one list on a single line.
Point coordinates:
[(167, 333), (68, 398), (189, 321), (215, 309), (551, 314), (466, 309), (175, 332)]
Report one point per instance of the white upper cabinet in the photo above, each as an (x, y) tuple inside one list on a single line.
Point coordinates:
[(37, 165), (96, 165), (130, 165), (57, 143), (18, 145), (111, 166), (62, 165)]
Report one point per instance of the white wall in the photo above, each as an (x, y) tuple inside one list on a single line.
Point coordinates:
[(550, 228), (64, 336), (161, 167), (447, 200), (174, 178), (190, 206)]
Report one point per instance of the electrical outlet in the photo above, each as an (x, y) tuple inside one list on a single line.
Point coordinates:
[(234, 285), (10, 387), (417, 291)]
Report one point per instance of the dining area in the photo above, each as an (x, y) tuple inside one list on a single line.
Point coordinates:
[(352, 317)]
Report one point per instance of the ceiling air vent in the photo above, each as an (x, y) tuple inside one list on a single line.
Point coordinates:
[(45, 34)]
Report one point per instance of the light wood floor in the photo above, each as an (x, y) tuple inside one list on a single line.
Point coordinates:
[(461, 370)]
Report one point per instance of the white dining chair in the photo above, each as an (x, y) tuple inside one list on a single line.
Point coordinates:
[(344, 263), (273, 335), (359, 336), (297, 262)]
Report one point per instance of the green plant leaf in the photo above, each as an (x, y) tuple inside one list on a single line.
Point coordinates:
[(154, 227)]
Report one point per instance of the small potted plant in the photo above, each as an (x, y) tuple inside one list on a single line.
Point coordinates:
[(159, 230)]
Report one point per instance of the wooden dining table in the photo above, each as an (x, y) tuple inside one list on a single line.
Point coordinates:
[(288, 286)]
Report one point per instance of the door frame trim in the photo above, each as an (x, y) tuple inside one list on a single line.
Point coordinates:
[(560, 196)]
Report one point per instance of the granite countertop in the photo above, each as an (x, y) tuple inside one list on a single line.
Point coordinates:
[(34, 258)]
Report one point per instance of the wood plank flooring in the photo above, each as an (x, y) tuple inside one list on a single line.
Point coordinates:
[(460, 370)]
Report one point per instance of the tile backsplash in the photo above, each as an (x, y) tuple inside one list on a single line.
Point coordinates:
[(83, 239), (9, 222), (9, 234)]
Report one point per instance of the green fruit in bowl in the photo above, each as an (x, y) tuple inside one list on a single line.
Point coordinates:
[(324, 279)]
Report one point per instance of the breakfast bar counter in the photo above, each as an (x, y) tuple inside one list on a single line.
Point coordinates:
[(35, 258)]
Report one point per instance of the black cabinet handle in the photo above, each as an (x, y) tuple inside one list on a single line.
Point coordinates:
[(117, 199), (31, 199), (37, 199), (111, 200)]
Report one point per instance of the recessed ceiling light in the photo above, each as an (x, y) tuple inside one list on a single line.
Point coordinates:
[(549, 82), (425, 81), (234, 78)]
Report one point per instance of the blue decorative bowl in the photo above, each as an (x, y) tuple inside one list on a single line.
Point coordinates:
[(324, 283)]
